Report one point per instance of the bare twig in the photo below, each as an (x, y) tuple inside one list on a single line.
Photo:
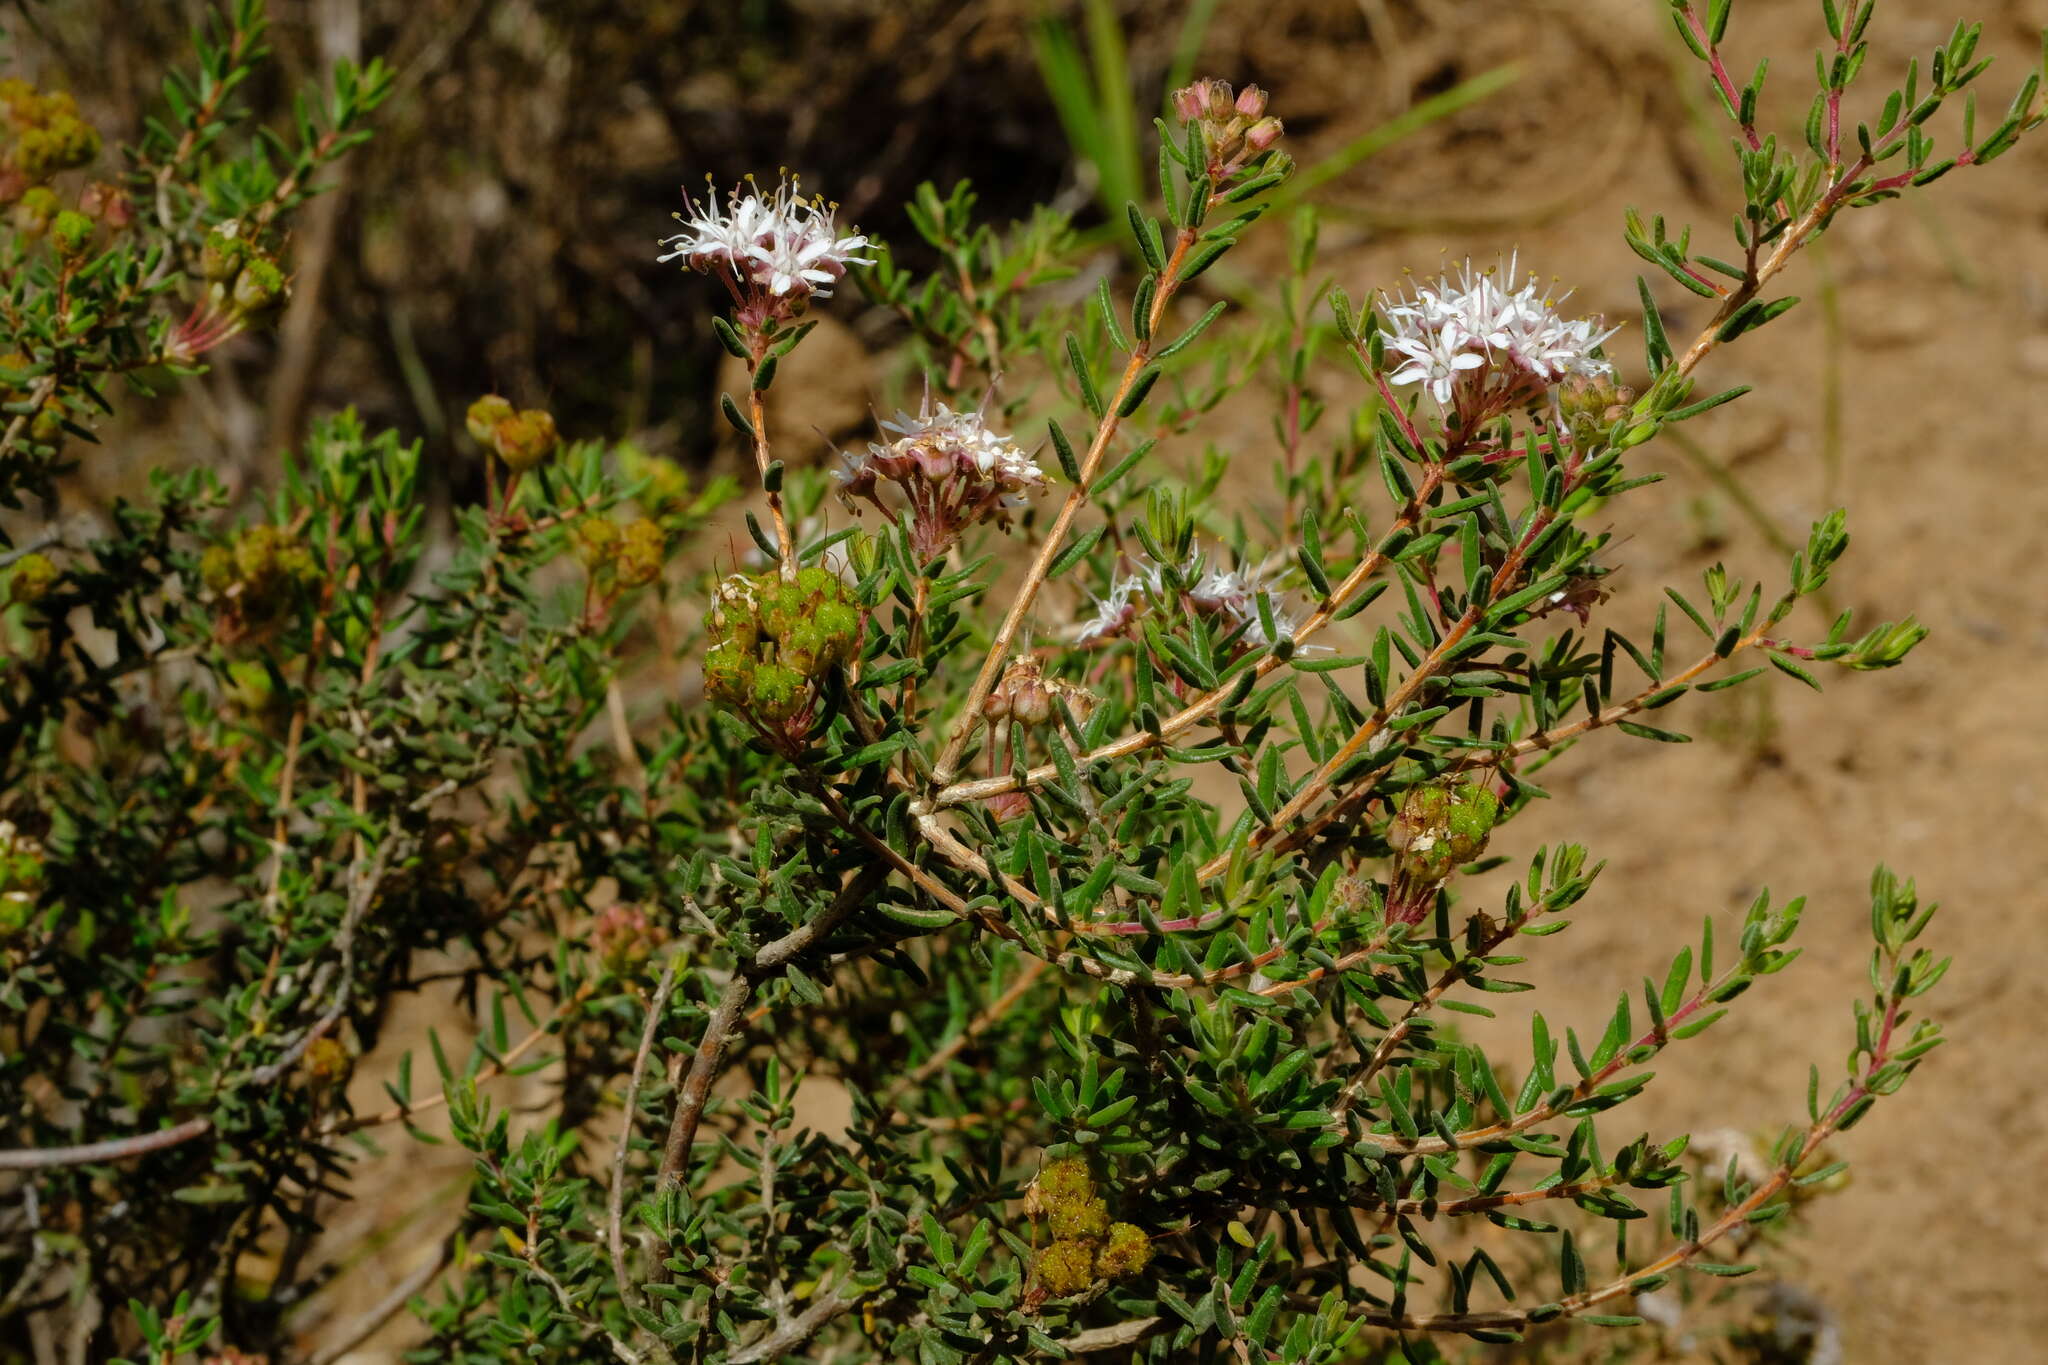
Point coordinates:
[(725, 1018), (1054, 540), (794, 1333), (113, 1149), (362, 892), (615, 1206)]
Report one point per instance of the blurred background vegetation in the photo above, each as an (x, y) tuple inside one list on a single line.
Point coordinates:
[(499, 232)]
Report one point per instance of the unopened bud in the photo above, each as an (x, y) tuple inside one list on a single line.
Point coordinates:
[(1127, 1252), (1251, 101), (1078, 1217), (61, 144), (220, 256), (625, 938), (70, 232), (1474, 808), (1064, 1179), (1263, 134), (484, 415), (324, 1063), (641, 554), (597, 538), (1067, 1267), (108, 203)]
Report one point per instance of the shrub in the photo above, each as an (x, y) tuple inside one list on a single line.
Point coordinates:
[(1122, 861)]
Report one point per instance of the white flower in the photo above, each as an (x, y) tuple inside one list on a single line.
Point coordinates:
[(1229, 596), (1474, 345), (783, 242), (1435, 355), (1113, 612), (951, 467), (964, 439)]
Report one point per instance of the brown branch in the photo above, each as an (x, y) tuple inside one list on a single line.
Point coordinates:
[(795, 1332), (704, 1064), (725, 1017), (1106, 427), (1368, 567), (113, 1149)]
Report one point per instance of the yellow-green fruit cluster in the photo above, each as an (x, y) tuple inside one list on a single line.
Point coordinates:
[(49, 136), (633, 553), (772, 637), (1443, 826), (522, 438), (258, 571), (33, 576), (1087, 1247), (242, 279), (21, 878)]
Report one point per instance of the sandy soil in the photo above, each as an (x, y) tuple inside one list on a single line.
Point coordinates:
[(1933, 1252)]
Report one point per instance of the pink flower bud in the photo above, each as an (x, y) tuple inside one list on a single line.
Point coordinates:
[(1263, 134), (1251, 101)]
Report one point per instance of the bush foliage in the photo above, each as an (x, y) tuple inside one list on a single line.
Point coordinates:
[(1121, 858)]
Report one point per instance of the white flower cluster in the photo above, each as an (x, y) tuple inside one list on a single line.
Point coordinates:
[(945, 442), (1229, 594), (782, 241), (951, 466), (1478, 347)]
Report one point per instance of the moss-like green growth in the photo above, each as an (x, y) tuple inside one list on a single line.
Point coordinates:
[(259, 573), (1067, 1267), (1087, 1247), (1078, 1217), (1127, 1252)]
